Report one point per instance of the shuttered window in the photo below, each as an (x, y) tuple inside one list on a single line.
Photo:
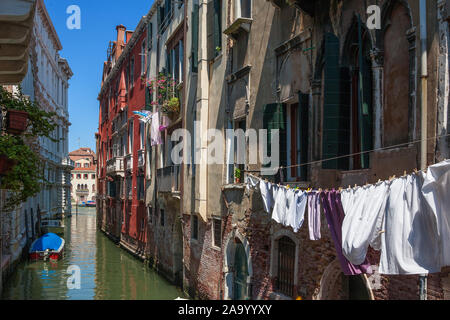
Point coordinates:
[(274, 117), (336, 133), (195, 22), (303, 116), (214, 29)]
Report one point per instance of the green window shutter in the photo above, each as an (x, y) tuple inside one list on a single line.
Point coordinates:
[(217, 25), (274, 117), (149, 35), (365, 102), (195, 22), (367, 114), (336, 135), (210, 30), (148, 101), (303, 115)]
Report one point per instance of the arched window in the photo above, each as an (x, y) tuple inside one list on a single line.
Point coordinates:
[(286, 266), (398, 85)]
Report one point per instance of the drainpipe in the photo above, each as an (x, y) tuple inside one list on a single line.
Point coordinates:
[(424, 81)]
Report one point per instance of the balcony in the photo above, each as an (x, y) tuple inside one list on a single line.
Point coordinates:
[(68, 163), (115, 166), (169, 179), (240, 25), (141, 159), (16, 25), (129, 162)]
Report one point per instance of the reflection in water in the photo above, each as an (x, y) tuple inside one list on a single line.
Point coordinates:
[(107, 272)]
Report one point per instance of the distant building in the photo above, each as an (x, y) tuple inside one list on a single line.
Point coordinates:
[(83, 175)]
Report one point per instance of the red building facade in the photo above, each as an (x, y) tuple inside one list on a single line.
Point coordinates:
[(120, 140)]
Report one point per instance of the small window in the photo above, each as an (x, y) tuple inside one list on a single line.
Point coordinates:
[(162, 217), (286, 266), (217, 232), (194, 227), (86, 165), (78, 176), (86, 176), (142, 224), (150, 214), (93, 176)]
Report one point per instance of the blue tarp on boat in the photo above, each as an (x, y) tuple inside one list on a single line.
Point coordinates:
[(49, 241)]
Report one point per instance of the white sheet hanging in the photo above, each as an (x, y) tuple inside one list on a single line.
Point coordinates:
[(364, 211), (266, 189), (279, 210), (436, 191), (295, 211), (410, 243)]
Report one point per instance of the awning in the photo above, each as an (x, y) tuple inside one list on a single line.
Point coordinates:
[(16, 28)]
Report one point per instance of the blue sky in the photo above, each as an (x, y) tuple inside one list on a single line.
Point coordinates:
[(85, 50)]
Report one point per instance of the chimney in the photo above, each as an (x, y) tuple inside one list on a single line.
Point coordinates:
[(120, 40)]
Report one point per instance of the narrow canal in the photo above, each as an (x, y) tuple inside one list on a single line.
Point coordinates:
[(107, 271)]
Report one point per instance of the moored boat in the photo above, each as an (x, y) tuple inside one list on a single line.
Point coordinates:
[(49, 246)]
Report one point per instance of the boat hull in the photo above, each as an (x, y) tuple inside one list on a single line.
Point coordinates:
[(53, 255)]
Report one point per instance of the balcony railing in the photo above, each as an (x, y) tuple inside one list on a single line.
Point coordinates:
[(82, 191), (129, 162), (141, 158), (169, 179), (115, 166)]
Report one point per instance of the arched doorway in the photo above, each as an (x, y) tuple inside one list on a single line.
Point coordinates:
[(240, 272), (237, 268), (334, 285)]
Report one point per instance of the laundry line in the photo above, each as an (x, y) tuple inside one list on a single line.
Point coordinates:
[(360, 153)]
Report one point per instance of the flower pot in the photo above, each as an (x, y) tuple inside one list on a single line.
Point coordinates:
[(16, 121), (6, 164)]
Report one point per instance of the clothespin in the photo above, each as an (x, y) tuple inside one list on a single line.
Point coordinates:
[(288, 187), (404, 173), (415, 171), (356, 185), (349, 186), (340, 189)]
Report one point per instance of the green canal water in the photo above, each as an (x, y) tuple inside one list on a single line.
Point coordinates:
[(107, 272)]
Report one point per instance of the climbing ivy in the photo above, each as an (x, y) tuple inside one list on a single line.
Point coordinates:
[(26, 177)]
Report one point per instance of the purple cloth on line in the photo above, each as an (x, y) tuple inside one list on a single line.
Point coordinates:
[(314, 215), (332, 207)]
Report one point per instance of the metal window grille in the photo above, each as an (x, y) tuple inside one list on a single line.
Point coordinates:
[(286, 266)]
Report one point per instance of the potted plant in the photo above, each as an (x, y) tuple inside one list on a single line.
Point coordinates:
[(237, 175), (171, 108)]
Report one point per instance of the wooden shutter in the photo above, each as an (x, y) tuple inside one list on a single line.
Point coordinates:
[(336, 108), (274, 117), (303, 115), (195, 22)]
